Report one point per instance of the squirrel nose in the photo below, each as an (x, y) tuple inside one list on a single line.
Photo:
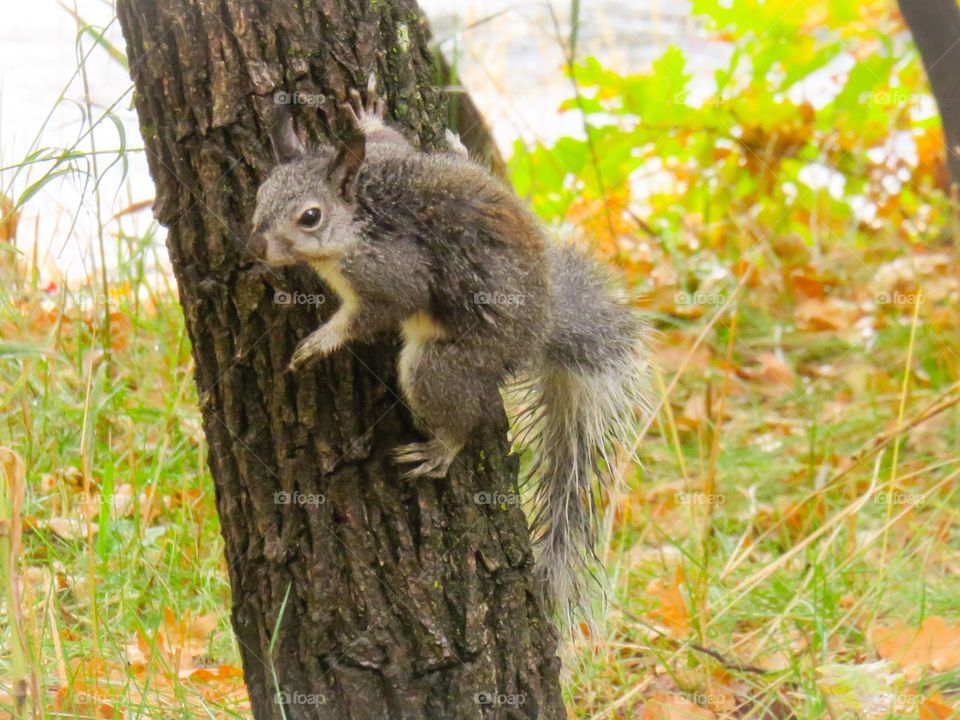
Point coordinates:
[(257, 244)]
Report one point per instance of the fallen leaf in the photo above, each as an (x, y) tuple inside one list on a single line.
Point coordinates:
[(69, 477), (221, 672), (694, 411), (672, 349), (8, 219), (827, 314), (934, 645), (6, 706), (905, 272), (671, 609), (807, 284), (84, 702), (931, 436), (772, 369), (790, 248), (776, 652), (934, 707), (183, 640), (66, 528), (663, 706)]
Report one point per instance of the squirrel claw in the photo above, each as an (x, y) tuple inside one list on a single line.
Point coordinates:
[(456, 145), (366, 116), (354, 118), (434, 458), (302, 359), (376, 105), (312, 349)]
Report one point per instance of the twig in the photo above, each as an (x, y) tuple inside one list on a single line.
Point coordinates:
[(944, 401), (681, 645)]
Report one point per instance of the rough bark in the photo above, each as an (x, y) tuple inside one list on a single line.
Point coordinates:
[(935, 26), (365, 596)]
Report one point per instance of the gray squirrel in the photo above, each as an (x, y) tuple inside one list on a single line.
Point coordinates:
[(436, 246)]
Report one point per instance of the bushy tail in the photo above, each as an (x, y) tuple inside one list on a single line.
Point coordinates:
[(581, 403)]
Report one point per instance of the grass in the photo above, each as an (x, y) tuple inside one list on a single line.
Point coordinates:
[(111, 440), (802, 551), (754, 538)]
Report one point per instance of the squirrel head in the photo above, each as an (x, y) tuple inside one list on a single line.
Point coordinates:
[(305, 207)]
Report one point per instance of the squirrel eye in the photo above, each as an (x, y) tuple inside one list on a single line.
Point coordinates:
[(310, 218)]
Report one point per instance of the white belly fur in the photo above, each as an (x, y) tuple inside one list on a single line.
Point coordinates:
[(417, 330)]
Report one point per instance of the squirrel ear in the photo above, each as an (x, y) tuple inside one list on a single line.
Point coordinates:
[(346, 165), (286, 144)]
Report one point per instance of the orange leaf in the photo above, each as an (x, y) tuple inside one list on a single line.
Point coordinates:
[(663, 706), (221, 672), (935, 645), (79, 701), (773, 370), (827, 314), (182, 640), (8, 219), (672, 609), (934, 708)]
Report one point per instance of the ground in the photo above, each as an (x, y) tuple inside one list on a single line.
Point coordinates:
[(789, 545)]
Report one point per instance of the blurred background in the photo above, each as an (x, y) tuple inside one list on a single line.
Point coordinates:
[(509, 56)]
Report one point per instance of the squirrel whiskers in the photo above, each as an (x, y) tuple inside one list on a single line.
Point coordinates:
[(434, 245)]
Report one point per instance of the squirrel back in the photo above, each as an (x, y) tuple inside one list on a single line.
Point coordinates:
[(481, 246)]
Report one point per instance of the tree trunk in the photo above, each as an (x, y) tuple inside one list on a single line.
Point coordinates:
[(935, 25), (355, 594)]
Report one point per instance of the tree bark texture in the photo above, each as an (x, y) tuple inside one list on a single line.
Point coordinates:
[(935, 26), (355, 594)]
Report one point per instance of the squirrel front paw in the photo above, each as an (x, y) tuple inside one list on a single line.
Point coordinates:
[(316, 346), (369, 116)]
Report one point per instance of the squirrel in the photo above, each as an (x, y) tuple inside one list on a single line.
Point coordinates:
[(436, 246)]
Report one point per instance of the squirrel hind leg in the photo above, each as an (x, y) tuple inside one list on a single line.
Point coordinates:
[(447, 396)]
